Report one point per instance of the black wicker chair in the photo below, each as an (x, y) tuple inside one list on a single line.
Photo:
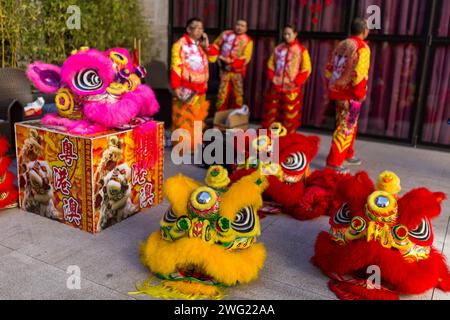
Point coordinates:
[(15, 93)]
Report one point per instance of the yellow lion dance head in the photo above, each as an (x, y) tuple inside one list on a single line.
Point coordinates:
[(207, 238)]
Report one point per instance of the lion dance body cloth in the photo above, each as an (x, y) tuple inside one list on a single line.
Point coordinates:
[(346, 75), (95, 90), (8, 191), (238, 48), (288, 69), (207, 238), (292, 187), (376, 230), (190, 73)]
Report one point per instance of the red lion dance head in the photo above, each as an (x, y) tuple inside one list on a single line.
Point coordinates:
[(300, 193), (377, 230)]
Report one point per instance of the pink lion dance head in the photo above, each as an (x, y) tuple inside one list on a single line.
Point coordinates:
[(94, 90)]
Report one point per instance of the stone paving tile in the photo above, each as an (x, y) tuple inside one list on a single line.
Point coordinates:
[(111, 260), (23, 277), (44, 239), (289, 245), (14, 221), (269, 289), (142, 224), (4, 251)]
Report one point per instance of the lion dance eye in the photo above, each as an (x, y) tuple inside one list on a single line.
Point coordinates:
[(87, 80), (342, 216), (170, 216), (295, 162), (422, 232), (244, 221)]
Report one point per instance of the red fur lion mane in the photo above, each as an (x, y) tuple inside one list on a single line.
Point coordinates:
[(313, 195), (353, 259)]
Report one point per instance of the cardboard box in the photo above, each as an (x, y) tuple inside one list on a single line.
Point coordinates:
[(88, 182), (226, 120)]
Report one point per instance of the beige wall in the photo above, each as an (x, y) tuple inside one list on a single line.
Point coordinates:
[(156, 12)]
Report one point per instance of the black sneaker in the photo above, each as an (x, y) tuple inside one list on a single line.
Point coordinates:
[(341, 169), (353, 162)]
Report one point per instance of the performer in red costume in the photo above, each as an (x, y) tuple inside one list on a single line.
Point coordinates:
[(375, 230), (346, 77), (189, 78), (233, 49), (288, 69)]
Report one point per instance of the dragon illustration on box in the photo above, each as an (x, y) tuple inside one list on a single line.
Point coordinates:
[(375, 227), (94, 90), (35, 176), (115, 196)]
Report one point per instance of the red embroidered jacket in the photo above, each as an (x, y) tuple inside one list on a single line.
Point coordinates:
[(238, 47), (289, 67), (189, 67), (347, 71)]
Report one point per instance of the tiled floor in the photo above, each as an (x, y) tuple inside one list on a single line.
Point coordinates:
[(35, 252)]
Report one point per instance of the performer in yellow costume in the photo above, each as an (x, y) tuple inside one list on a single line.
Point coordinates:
[(189, 78), (288, 69), (233, 49)]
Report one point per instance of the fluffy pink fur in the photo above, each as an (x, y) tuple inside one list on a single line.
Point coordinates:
[(138, 102), (90, 59), (113, 114), (36, 78), (81, 127), (149, 104), (99, 115)]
